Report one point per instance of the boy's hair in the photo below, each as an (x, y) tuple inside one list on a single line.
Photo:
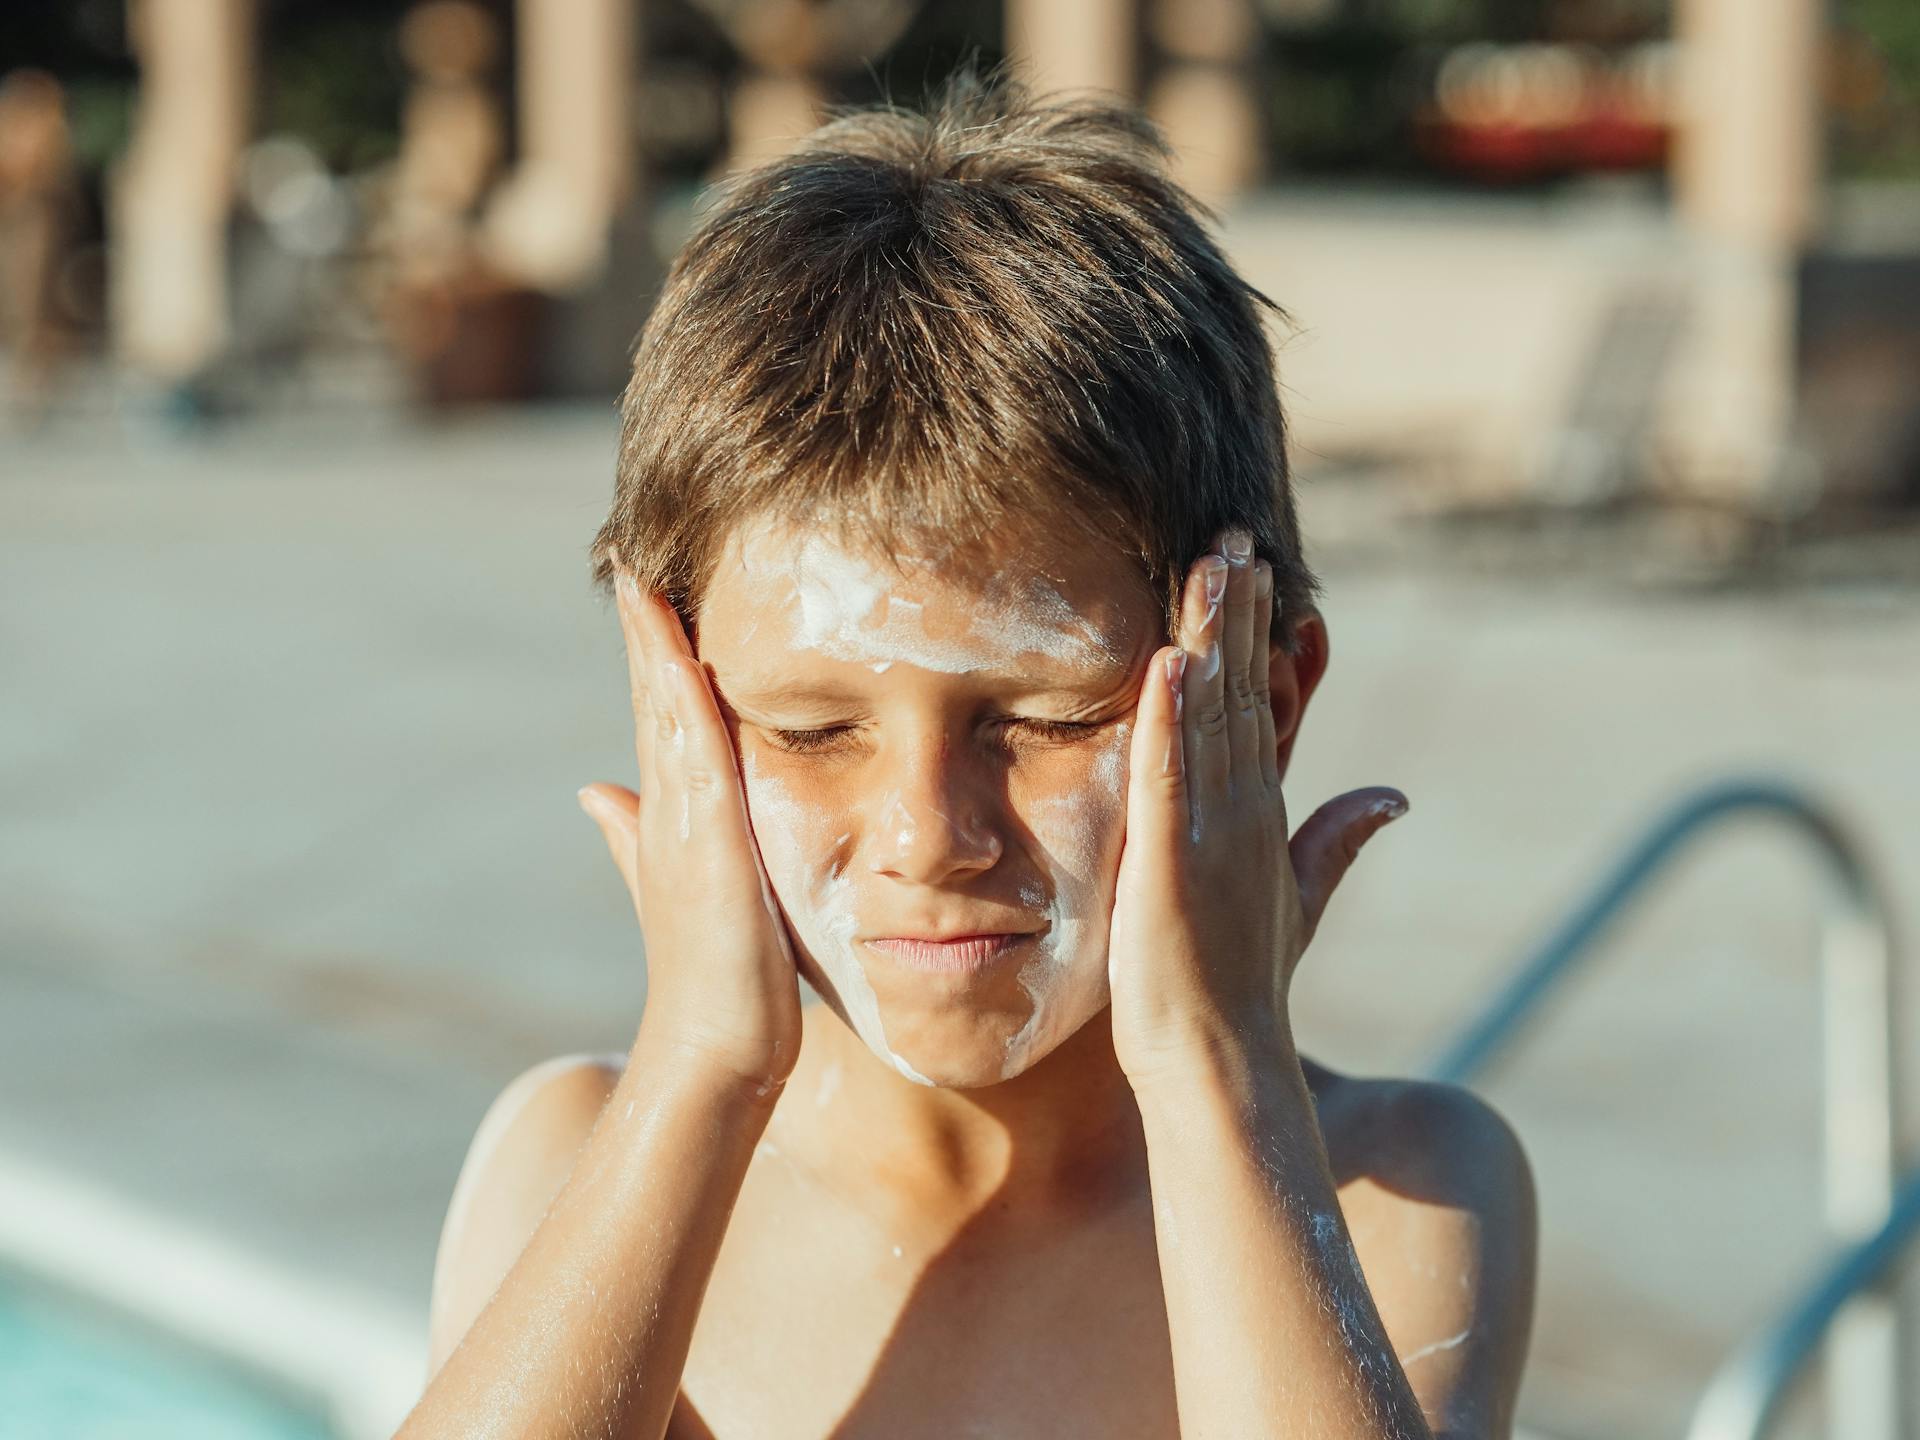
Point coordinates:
[(948, 325)]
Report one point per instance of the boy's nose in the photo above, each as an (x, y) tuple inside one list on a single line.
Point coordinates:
[(926, 831)]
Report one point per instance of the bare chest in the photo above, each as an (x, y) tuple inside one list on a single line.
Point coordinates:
[(819, 1323)]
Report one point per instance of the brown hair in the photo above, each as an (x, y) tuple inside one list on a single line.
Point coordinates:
[(941, 323)]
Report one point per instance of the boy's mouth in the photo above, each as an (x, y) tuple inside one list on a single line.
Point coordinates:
[(952, 954)]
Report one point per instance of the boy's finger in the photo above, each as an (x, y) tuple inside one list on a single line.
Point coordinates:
[(695, 767), (1265, 741), (1323, 848), (1158, 818), (646, 719), (616, 810), (1203, 613), (664, 644), (1237, 656), (710, 797)]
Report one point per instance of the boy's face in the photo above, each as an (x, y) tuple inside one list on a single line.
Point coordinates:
[(935, 759)]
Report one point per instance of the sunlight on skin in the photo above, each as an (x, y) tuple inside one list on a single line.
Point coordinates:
[(929, 751)]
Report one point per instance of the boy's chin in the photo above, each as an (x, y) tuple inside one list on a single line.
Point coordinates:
[(961, 1042), (955, 1068), (973, 1052)]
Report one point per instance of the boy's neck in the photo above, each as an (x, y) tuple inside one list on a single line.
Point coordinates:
[(1063, 1137)]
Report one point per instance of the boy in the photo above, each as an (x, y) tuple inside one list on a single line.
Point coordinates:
[(936, 708)]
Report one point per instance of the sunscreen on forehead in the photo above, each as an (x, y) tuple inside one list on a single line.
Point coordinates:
[(846, 606)]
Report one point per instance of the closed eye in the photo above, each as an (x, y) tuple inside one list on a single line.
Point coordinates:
[(799, 742), (1023, 727), (1058, 730)]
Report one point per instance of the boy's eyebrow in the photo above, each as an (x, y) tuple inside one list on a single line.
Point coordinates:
[(778, 692)]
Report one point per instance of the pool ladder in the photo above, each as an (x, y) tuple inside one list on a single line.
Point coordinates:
[(1872, 1209)]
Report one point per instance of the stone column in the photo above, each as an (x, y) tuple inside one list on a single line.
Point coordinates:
[(1073, 44), (1746, 176), (1747, 162), (1206, 99), (791, 48), (768, 113), (576, 68), (172, 194)]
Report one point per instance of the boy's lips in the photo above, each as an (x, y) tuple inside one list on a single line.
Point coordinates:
[(958, 953)]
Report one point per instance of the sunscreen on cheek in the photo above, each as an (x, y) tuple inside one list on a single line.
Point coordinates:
[(1067, 980), (805, 864)]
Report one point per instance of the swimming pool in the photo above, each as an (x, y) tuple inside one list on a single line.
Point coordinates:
[(72, 1371)]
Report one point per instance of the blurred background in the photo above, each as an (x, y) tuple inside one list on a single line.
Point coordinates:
[(1604, 371)]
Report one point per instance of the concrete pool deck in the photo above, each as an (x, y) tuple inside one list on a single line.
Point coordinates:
[(294, 880)]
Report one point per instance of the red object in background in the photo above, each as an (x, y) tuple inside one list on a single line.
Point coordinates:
[(1512, 113), (1501, 153), (1610, 140), (1512, 153)]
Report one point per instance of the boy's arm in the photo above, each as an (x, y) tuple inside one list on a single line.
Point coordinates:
[(1275, 1329), (589, 1331), (521, 1156)]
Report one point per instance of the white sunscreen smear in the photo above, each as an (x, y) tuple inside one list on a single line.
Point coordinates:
[(1436, 1347), (1067, 979), (809, 874), (847, 610)]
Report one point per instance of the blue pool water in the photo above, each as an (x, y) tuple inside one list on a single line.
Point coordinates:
[(70, 1372)]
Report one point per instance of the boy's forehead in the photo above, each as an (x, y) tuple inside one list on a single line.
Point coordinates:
[(1044, 601)]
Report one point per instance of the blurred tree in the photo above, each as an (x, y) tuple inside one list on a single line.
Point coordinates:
[(1873, 89), (330, 74), (85, 45)]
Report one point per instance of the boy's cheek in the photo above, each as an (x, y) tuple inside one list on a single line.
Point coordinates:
[(791, 802), (795, 833)]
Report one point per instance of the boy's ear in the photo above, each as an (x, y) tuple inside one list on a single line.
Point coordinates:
[(1293, 679)]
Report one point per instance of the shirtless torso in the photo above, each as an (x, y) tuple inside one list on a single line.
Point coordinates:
[(883, 1314)]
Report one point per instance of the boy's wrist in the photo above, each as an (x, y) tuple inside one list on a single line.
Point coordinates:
[(666, 1066), (1240, 1070)]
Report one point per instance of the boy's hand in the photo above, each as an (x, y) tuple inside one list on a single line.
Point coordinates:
[(721, 982), (1213, 907)]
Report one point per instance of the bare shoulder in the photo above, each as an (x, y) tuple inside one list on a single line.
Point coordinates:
[(1439, 1198), (1416, 1134), (519, 1159)]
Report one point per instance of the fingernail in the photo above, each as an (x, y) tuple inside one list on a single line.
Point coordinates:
[(1215, 579), (1391, 806), (1262, 580), (590, 801), (1176, 673), (1237, 547)]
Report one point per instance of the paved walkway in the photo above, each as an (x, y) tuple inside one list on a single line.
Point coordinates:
[(292, 878)]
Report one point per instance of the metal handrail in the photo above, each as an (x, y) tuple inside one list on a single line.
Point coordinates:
[(1749, 1392), (1862, 1120)]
